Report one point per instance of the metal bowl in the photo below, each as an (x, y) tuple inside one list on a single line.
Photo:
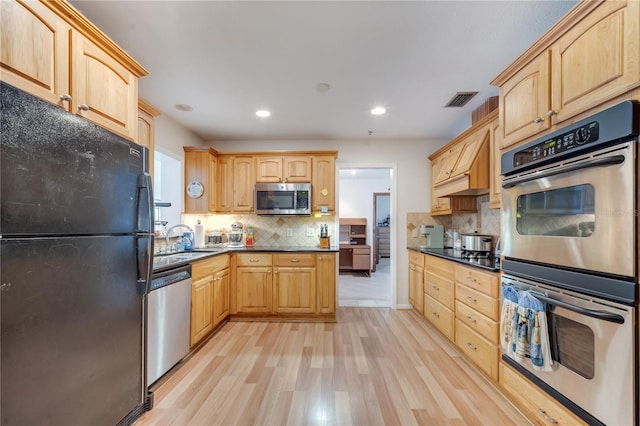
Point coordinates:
[(234, 236)]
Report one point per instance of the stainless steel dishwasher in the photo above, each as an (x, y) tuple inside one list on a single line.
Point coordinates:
[(168, 320)]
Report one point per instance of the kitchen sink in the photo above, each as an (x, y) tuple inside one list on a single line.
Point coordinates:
[(170, 259)]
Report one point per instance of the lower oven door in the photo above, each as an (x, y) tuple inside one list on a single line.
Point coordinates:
[(592, 345), (580, 214)]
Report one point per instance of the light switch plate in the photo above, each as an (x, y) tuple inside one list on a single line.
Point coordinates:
[(289, 232), (310, 232)]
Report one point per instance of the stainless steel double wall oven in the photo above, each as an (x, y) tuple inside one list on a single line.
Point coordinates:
[(570, 237)]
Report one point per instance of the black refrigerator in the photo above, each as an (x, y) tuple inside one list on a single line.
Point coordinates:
[(75, 261)]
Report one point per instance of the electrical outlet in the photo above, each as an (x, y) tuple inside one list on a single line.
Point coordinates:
[(289, 232), (310, 232)]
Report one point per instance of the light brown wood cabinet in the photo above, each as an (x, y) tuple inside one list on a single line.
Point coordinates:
[(323, 182), (439, 294), (209, 296), (326, 282), (477, 317), (200, 165), (146, 129), (51, 51), (294, 283), (288, 169), (589, 58), (224, 187), (539, 407), (416, 281), (254, 282), (495, 180), (243, 184)]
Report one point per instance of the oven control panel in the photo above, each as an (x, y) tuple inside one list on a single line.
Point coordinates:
[(559, 144)]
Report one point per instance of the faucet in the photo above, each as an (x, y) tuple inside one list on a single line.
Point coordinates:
[(166, 237)]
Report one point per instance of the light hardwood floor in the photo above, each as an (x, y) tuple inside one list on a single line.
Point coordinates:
[(374, 366)]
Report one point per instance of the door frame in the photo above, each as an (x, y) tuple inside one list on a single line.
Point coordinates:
[(376, 242)]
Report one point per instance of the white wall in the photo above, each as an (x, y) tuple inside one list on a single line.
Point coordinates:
[(412, 179), (170, 137)]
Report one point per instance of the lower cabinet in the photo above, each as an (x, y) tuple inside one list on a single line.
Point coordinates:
[(439, 295), (209, 296), (300, 285), (539, 408), (416, 281)]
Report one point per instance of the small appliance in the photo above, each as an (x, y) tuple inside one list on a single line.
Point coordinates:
[(434, 235), (235, 235), (282, 199)]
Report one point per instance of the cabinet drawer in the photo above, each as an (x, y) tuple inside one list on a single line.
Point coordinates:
[(253, 259), (480, 302), (444, 268), (484, 282), (439, 288), (541, 408), (416, 258), (441, 317), (477, 349), (488, 328), (201, 268), (363, 251), (294, 259)]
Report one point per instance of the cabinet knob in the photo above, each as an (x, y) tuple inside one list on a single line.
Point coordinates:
[(471, 346), (65, 98), (470, 299), (83, 107), (470, 319), (551, 113), (546, 417), (538, 120)]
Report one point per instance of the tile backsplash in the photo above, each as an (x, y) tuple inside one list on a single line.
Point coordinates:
[(271, 231), (486, 221)]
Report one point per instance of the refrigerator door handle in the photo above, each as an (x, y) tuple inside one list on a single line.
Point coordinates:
[(145, 219)]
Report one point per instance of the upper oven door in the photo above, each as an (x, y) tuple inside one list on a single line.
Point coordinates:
[(578, 214)]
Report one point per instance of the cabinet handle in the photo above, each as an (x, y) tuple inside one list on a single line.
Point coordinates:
[(83, 107), (471, 346), (546, 417), (470, 318), (65, 98), (437, 315), (538, 120), (551, 113), (436, 288), (295, 260), (254, 260), (471, 299)]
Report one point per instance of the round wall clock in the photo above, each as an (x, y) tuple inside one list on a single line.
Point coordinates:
[(195, 190)]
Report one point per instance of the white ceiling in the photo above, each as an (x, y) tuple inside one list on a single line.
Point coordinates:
[(227, 59)]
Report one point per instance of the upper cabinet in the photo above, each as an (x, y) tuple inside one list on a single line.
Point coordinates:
[(243, 184), (495, 180), (200, 179), (461, 168), (51, 51), (323, 182), (146, 129), (289, 169), (589, 60)]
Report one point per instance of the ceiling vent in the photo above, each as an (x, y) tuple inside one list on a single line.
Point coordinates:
[(460, 99)]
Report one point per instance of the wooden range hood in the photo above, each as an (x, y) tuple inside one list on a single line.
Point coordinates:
[(461, 168)]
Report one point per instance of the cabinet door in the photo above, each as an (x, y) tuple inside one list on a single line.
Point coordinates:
[(597, 59), (224, 187), (201, 308), (446, 163), (268, 169), (469, 151), (243, 184), (295, 290), (196, 169), (326, 283), (146, 135), (213, 185), (34, 50), (220, 296), (297, 169), (525, 100), (438, 205), (254, 290), (416, 288), (323, 182), (103, 91), (495, 180)]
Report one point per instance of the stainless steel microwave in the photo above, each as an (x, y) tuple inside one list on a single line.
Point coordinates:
[(282, 198)]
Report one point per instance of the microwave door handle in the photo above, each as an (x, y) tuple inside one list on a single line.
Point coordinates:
[(598, 162), (602, 315)]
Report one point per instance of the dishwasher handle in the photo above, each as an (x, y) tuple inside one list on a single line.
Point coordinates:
[(171, 276)]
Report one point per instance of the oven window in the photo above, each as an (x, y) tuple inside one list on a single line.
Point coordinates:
[(561, 212), (573, 345)]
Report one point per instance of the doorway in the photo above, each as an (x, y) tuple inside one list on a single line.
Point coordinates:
[(365, 192)]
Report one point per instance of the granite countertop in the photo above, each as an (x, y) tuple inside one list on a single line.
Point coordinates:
[(487, 264), (173, 260)]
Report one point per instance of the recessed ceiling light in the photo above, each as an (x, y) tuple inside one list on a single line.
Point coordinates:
[(322, 87), (184, 107), (263, 113), (378, 111)]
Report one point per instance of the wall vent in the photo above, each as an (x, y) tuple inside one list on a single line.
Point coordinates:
[(460, 99)]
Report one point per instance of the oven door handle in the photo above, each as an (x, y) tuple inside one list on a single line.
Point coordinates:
[(598, 162), (602, 315)]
